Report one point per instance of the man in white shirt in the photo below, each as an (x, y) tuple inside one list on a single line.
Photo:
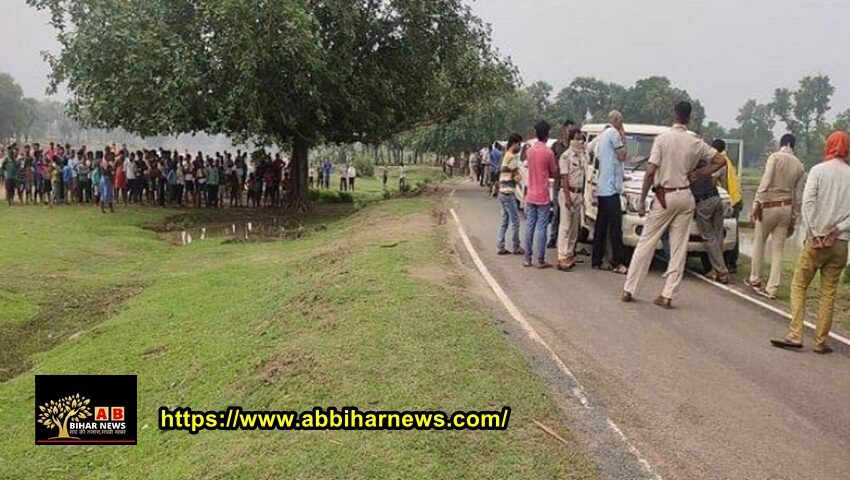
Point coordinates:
[(826, 218), (352, 174), (343, 178)]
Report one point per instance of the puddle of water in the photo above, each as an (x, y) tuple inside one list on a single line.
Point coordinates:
[(236, 232), (793, 245)]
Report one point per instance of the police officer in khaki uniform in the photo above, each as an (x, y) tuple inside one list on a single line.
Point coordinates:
[(572, 165), (675, 155), (775, 211)]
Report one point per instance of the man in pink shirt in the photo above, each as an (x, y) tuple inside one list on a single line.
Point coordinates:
[(541, 167)]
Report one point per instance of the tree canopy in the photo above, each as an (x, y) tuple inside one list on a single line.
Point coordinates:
[(291, 72)]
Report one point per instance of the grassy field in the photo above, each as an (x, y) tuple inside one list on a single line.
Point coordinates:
[(367, 310), (842, 307)]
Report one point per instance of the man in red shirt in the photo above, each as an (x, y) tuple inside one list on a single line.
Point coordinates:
[(541, 167)]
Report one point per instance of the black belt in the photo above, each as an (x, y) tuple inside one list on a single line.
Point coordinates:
[(575, 190)]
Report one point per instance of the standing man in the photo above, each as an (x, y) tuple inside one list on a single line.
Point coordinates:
[(326, 174), (572, 165), (674, 156), (541, 167), (343, 177), (9, 171), (352, 175), (826, 218), (709, 219), (509, 177), (558, 149), (611, 152), (775, 211), (495, 167), (729, 181)]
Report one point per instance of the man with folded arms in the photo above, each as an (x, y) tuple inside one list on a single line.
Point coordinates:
[(675, 155), (775, 211), (826, 218)]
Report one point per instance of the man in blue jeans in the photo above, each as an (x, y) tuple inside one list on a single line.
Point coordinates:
[(541, 167), (509, 175)]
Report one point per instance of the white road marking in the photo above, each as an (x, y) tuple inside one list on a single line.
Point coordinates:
[(764, 305), (578, 390)]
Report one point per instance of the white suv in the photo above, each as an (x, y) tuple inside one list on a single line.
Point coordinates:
[(639, 139)]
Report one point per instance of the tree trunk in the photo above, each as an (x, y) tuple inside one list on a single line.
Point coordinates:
[(299, 189)]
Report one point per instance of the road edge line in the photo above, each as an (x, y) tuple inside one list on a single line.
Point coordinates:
[(764, 305), (578, 390)]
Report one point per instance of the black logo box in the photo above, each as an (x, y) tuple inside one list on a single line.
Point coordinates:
[(101, 391)]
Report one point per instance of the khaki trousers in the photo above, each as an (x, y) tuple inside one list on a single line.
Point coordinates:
[(775, 223), (569, 226), (677, 217), (830, 263)]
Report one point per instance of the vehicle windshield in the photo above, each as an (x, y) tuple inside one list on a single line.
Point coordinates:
[(638, 149)]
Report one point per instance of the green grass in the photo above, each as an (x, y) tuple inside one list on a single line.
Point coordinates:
[(842, 307), (337, 318)]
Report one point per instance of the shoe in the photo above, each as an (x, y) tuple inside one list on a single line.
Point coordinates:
[(543, 265), (823, 350), (755, 284), (526, 264), (627, 297), (503, 252), (565, 265), (764, 293), (552, 245), (718, 277), (663, 302), (519, 251), (787, 344)]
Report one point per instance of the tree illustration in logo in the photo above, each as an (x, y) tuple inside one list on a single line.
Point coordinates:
[(57, 414)]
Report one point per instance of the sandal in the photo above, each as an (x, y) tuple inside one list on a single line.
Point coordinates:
[(519, 251), (503, 252), (621, 270)]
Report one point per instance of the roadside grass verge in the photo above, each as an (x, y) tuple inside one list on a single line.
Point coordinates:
[(341, 317)]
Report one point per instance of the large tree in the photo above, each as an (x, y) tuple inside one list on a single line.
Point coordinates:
[(587, 97), (755, 128), (803, 111), (651, 100), (11, 106), (289, 72), (514, 112)]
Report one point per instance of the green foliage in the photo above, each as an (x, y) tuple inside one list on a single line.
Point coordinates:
[(845, 276), (714, 130), (364, 166), (513, 112), (289, 72), (588, 97), (755, 128), (842, 121), (11, 106), (651, 101), (330, 196), (541, 93), (803, 112)]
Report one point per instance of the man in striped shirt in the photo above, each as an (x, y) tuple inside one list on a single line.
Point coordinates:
[(509, 176)]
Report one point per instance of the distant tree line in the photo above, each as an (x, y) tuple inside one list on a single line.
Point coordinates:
[(802, 112)]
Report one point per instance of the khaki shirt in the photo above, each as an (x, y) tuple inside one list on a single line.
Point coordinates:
[(676, 154), (573, 164), (783, 179)]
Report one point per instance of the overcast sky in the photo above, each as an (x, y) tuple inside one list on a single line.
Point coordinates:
[(722, 51)]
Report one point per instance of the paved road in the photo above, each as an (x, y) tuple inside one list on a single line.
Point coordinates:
[(698, 390)]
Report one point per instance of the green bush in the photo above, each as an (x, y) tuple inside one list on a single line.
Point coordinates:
[(330, 196), (845, 277), (364, 166)]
